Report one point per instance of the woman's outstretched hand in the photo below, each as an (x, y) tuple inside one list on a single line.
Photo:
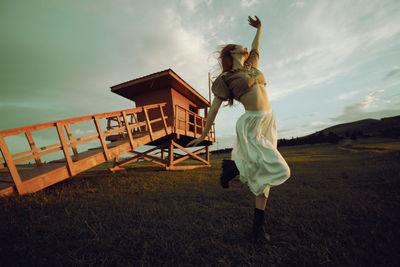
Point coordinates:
[(256, 23)]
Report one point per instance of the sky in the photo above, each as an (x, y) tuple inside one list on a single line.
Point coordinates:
[(326, 62)]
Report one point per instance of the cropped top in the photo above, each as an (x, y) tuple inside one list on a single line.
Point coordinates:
[(235, 83)]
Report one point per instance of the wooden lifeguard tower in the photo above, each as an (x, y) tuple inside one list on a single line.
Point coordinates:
[(182, 110), (166, 117)]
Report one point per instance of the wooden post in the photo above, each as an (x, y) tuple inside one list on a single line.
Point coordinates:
[(120, 125), (189, 152), (128, 129), (11, 166), (186, 122), (102, 138), (136, 121), (175, 118), (163, 118), (64, 146), (171, 154), (68, 130), (34, 148), (148, 123), (208, 154)]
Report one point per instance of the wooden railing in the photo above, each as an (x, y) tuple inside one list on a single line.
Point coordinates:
[(66, 142), (182, 121)]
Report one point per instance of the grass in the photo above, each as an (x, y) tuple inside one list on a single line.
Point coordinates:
[(339, 208)]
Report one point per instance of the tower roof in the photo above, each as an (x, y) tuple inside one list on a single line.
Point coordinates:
[(159, 80)]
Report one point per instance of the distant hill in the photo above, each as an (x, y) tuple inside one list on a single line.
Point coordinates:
[(385, 127)]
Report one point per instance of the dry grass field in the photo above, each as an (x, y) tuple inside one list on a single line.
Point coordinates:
[(339, 208)]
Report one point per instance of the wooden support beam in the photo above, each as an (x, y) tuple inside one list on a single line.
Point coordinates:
[(71, 139), (208, 154), (148, 123), (116, 166), (182, 158), (134, 115), (11, 166), (128, 130), (120, 125), (183, 168), (186, 121), (163, 118), (190, 153), (149, 158), (171, 154), (102, 138), (33, 148), (65, 149)]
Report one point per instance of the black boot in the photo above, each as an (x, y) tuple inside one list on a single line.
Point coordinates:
[(259, 234), (229, 171)]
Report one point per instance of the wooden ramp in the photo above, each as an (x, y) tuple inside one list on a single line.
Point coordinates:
[(146, 125)]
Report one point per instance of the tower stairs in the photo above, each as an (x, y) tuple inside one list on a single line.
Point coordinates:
[(114, 134)]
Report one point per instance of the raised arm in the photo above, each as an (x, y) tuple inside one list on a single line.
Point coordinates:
[(256, 23), (212, 113)]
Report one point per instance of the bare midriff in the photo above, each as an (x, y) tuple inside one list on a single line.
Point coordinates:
[(256, 98)]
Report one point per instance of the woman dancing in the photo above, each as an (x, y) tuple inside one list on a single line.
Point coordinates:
[(254, 156)]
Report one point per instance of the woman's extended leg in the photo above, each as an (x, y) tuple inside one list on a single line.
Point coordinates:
[(259, 234), (261, 202)]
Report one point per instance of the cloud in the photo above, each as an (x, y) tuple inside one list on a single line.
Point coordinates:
[(394, 72), (297, 4), (184, 50), (248, 3), (346, 95), (327, 41), (371, 106), (191, 5)]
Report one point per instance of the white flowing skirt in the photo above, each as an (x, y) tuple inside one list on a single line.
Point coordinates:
[(255, 152)]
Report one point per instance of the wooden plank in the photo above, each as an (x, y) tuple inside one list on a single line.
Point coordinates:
[(175, 118), (10, 165), (33, 148), (71, 140), (171, 154), (148, 123), (183, 168), (120, 125), (164, 121), (64, 146), (138, 155), (89, 139), (208, 154), (41, 154), (134, 115), (46, 179), (51, 124), (22, 154), (128, 129), (149, 157), (186, 121), (189, 152), (50, 146), (8, 191), (188, 156), (102, 138)]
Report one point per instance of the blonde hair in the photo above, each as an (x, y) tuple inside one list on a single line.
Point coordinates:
[(226, 63)]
